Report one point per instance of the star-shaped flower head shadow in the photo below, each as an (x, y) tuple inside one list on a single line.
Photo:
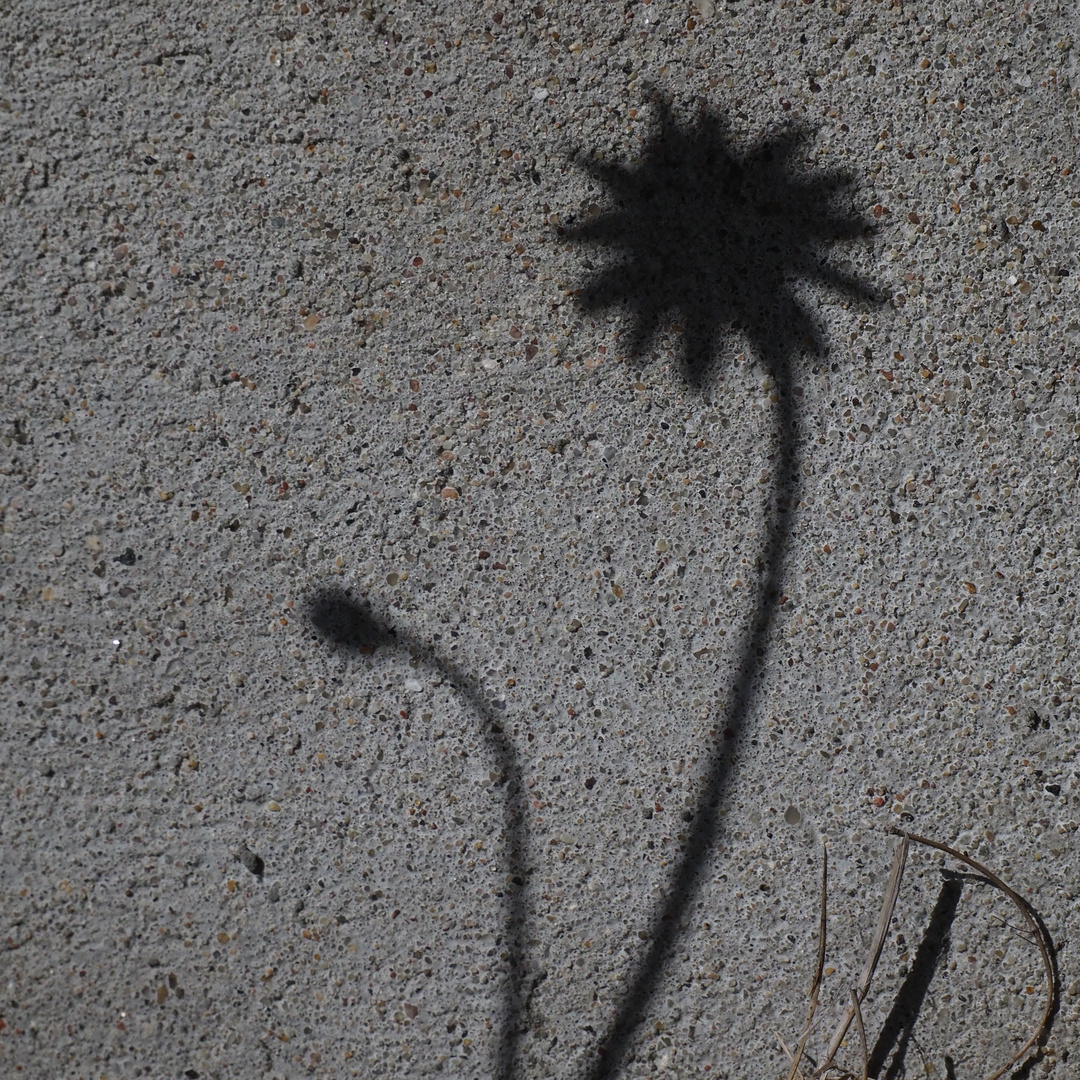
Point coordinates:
[(712, 240)]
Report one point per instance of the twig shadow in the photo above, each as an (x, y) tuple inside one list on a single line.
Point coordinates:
[(899, 1026), (1025, 1069), (898, 1031)]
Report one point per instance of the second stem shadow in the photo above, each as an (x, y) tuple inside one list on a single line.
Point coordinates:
[(353, 627)]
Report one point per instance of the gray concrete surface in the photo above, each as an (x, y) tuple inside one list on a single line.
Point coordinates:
[(488, 491)]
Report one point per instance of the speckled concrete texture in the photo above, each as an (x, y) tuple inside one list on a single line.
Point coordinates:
[(489, 491)]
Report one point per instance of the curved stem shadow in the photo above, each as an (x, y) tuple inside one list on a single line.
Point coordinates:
[(686, 878), (1055, 994), (351, 626), (698, 228), (1025, 1069)]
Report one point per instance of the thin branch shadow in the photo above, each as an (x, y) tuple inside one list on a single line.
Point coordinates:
[(1025, 1070), (353, 627), (899, 1026), (898, 1031), (717, 238)]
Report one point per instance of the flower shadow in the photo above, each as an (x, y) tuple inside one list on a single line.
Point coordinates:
[(714, 241), (719, 239)]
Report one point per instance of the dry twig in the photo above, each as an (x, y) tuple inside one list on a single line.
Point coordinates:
[(1042, 939), (815, 986), (828, 1070)]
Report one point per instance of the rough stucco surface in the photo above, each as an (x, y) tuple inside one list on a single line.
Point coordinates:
[(528, 332)]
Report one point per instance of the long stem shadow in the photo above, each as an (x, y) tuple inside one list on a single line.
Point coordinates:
[(685, 879), (718, 237), (353, 627)]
